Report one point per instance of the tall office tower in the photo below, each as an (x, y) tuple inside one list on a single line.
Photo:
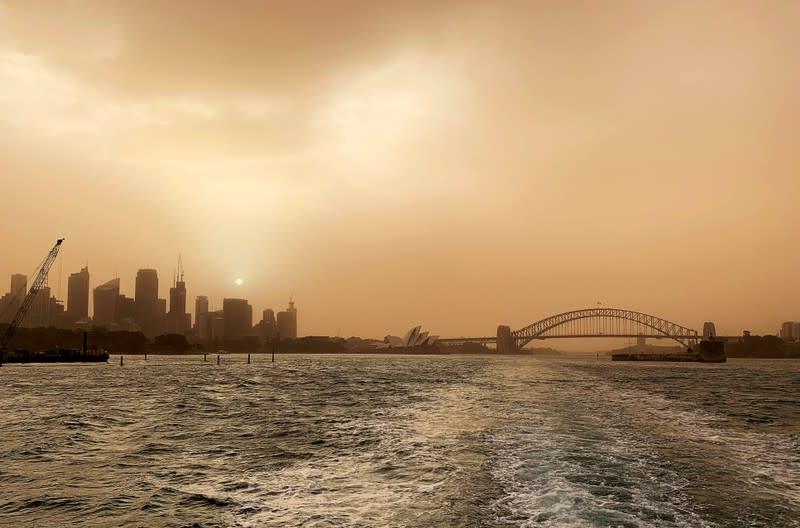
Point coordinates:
[(147, 306), (11, 301), (178, 321), (268, 319), (126, 309), (19, 283), (78, 294), (39, 313), (215, 322), (266, 328), (238, 318), (287, 322), (161, 317), (787, 331), (106, 297), (200, 315)]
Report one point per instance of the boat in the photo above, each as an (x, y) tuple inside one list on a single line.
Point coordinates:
[(57, 355), (708, 351)]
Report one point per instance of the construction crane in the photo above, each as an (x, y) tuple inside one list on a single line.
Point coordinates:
[(38, 283)]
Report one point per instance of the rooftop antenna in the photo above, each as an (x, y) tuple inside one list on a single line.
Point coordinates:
[(180, 268)]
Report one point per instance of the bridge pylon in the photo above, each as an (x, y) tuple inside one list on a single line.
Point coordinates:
[(506, 344)]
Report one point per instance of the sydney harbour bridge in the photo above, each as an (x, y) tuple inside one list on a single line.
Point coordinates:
[(591, 323)]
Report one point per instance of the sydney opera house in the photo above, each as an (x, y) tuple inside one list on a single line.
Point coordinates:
[(413, 338)]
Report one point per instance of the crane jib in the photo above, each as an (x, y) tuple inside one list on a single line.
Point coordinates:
[(39, 282)]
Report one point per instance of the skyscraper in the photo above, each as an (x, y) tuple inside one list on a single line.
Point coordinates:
[(200, 316), (147, 306), (178, 321), (19, 283), (238, 318), (11, 301), (126, 309), (161, 317), (43, 309), (105, 303), (266, 328), (287, 322), (78, 294)]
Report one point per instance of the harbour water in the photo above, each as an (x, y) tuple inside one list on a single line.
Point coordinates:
[(400, 441)]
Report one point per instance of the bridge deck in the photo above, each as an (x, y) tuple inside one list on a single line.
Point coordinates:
[(456, 340)]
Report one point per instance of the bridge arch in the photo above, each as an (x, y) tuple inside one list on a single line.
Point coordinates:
[(604, 322)]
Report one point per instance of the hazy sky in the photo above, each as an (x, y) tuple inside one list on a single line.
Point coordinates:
[(455, 164)]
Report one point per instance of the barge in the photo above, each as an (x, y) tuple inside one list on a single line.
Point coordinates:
[(58, 355), (709, 351)]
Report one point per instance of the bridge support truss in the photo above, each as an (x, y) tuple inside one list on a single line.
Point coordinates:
[(603, 322)]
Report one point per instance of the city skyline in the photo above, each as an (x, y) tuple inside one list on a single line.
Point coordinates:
[(175, 309), (106, 305), (387, 263), (456, 164)]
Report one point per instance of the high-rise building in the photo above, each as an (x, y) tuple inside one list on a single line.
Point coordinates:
[(161, 316), (11, 301), (19, 283), (126, 309), (266, 328), (105, 303), (787, 331), (44, 311), (78, 294), (287, 322), (200, 315), (147, 303), (238, 318), (178, 321), (216, 325)]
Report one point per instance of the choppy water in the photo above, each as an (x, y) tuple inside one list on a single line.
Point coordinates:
[(400, 441)]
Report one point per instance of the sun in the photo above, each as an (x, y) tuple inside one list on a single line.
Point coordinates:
[(239, 282)]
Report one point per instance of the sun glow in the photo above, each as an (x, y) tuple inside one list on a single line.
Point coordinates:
[(239, 282)]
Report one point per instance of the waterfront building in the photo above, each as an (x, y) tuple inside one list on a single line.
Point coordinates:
[(44, 310), (287, 322), (787, 331), (105, 303), (161, 316), (238, 316), (148, 313), (11, 301), (126, 308), (216, 325), (178, 321), (78, 294), (267, 327), (415, 337), (200, 314)]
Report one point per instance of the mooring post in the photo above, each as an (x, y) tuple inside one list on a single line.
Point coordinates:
[(217, 359), (248, 359), (145, 356), (204, 356), (121, 363)]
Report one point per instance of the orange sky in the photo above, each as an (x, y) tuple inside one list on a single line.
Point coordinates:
[(459, 165)]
